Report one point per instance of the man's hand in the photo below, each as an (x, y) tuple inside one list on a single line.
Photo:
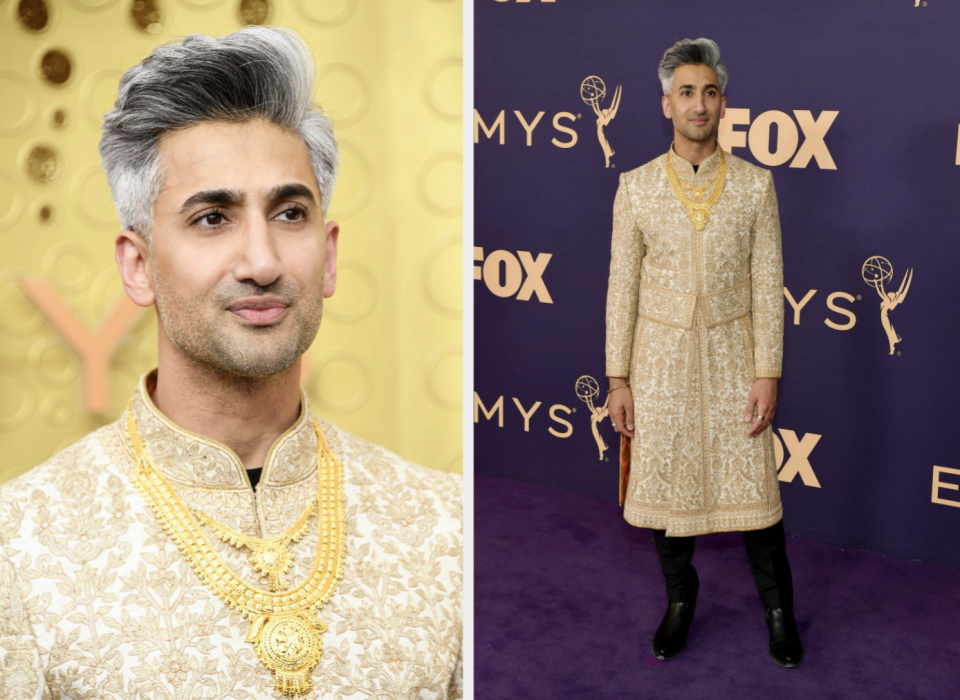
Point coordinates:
[(763, 397), (621, 407)]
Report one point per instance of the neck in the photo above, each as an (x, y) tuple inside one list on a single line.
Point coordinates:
[(246, 414), (693, 151)]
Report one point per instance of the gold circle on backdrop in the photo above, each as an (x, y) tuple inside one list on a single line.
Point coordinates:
[(342, 381), (92, 5), (90, 195), (43, 164), (363, 286), (54, 364), (98, 92), (56, 412), (440, 370), (348, 81), (344, 8), (56, 67), (439, 84), (432, 286), (19, 105), (146, 15), (106, 290), (68, 267), (12, 200), (437, 173), (254, 11), (59, 118), (124, 378), (356, 177), (20, 317), (45, 213), (201, 4), (450, 458), (17, 400), (33, 14)]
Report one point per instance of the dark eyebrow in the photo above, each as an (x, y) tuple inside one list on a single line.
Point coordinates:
[(213, 197), (289, 191), (705, 87)]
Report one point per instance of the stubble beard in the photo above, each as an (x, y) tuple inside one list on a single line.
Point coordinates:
[(201, 329), (698, 134)]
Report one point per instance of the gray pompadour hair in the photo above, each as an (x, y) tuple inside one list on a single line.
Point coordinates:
[(701, 52), (255, 73)]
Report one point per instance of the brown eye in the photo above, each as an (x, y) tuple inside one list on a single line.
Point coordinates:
[(292, 214), (212, 219)]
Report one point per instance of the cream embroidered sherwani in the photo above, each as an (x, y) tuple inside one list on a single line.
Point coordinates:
[(97, 602), (693, 319)]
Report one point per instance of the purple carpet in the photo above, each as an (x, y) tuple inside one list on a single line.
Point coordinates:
[(568, 596)]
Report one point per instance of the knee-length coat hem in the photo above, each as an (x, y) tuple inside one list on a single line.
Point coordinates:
[(689, 525)]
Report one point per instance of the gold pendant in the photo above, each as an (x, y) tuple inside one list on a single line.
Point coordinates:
[(268, 556), (698, 194), (699, 217), (272, 559), (290, 647)]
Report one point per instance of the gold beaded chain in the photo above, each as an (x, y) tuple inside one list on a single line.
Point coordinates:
[(699, 212), (284, 627), (697, 190), (269, 556)]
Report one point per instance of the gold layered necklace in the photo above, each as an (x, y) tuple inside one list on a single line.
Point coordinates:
[(284, 630), (268, 556), (698, 209)]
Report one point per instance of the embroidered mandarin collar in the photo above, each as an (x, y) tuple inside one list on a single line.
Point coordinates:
[(190, 459), (684, 168)]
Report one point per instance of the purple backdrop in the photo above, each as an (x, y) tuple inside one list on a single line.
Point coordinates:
[(865, 435)]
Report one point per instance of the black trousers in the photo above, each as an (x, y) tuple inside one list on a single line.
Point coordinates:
[(768, 560)]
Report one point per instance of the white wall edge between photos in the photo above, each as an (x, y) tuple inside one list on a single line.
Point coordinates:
[(468, 70)]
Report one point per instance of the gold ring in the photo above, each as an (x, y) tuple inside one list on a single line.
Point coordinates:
[(761, 417)]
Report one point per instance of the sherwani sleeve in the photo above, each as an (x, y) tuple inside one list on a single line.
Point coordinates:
[(766, 273), (623, 289), (455, 691), (21, 673)]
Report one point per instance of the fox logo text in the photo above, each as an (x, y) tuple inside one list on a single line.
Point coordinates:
[(507, 274), (787, 146), (799, 449)]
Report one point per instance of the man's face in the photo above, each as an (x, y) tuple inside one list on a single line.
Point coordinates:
[(240, 259), (695, 105)]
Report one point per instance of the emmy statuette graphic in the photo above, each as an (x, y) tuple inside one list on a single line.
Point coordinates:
[(877, 271), (587, 391), (592, 91)]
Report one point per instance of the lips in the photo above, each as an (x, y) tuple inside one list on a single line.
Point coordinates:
[(259, 312)]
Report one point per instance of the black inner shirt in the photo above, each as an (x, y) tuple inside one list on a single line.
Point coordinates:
[(254, 475)]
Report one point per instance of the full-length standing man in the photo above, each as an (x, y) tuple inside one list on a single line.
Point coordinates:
[(217, 541), (694, 349)]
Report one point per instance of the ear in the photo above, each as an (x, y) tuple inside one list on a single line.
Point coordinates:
[(665, 102), (330, 266), (723, 107), (133, 259)]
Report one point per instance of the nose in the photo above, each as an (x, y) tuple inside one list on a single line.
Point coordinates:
[(699, 103), (258, 260)]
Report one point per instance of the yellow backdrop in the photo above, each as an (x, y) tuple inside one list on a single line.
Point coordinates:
[(387, 361)]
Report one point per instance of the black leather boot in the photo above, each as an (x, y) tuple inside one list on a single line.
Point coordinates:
[(671, 637), (785, 647)]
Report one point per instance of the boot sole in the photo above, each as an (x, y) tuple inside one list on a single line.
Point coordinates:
[(778, 662), (668, 656)]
